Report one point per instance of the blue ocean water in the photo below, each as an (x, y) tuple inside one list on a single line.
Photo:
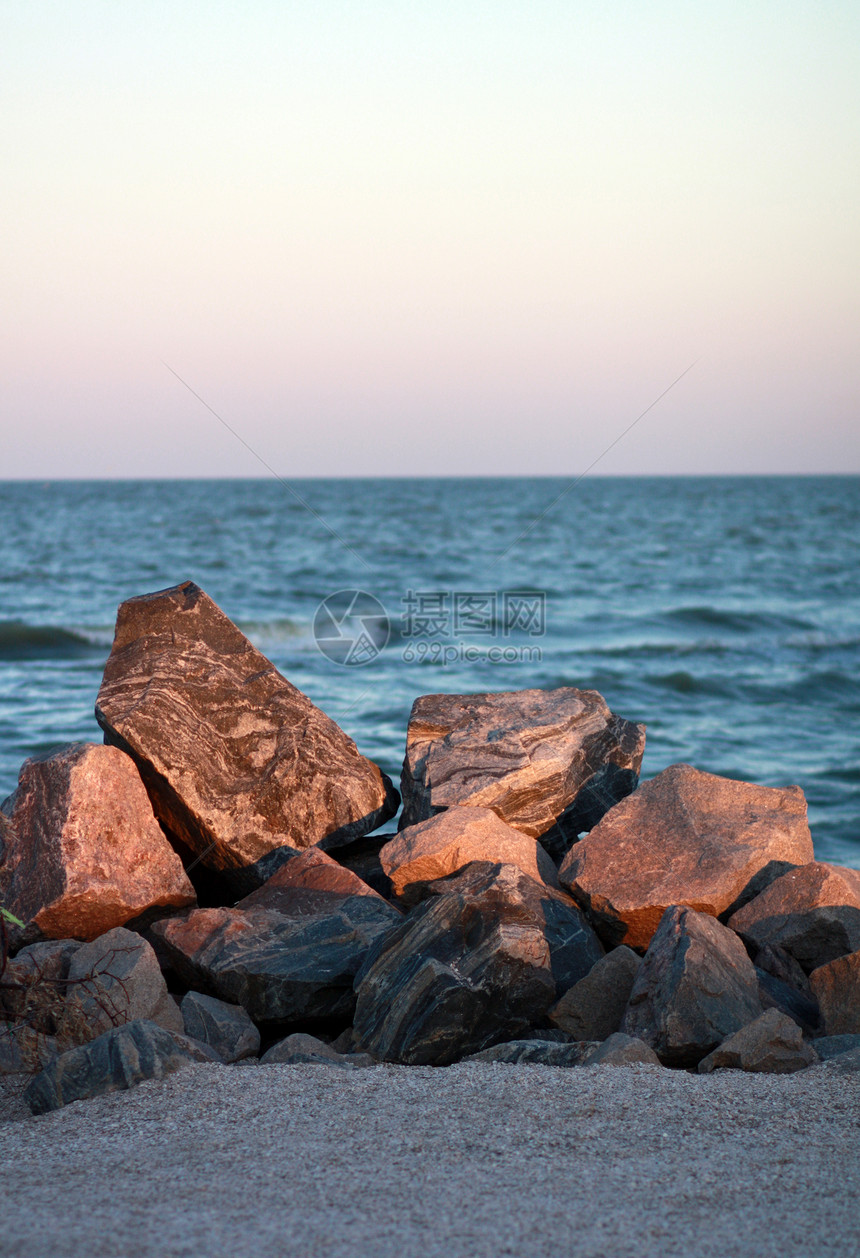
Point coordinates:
[(722, 612)]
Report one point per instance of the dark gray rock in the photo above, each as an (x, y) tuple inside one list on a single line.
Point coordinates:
[(33, 986), (827, 1046), (847, 1063), (801, 1007), (289, 952), (479, 962), (548, 762), (119, 1059), (593, 1008), (362, 858), (302, 1049), (836, 987), (696, 987), (813, 913), (771, 1044), (537, 1052), (23, 1049), (623, 1050), (114, 979), (226, 1028), (782, 965), (239, 764)]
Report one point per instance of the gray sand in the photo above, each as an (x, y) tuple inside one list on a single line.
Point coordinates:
[(478, 1159)]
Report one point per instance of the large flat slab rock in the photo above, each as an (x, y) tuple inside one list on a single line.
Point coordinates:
[(685, 837), (238, 762), (696, 987), (812, 913), (770, 1044), (83, 851), (549, 762), (289, 952), (481, 961), (115, 1061), (537, 1053), (453, 839), (836, 987)]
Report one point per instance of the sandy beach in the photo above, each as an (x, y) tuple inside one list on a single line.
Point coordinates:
[(477, 1159)]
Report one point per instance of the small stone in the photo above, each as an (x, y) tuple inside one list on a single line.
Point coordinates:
[(299, 1048), (226, 1028), (770, 1044), (537, 1052), (623, 1050), (593, 1008)]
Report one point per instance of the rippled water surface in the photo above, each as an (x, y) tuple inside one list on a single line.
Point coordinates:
[(724, 613)]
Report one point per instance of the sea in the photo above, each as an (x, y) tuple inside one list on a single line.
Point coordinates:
[(722, 612)]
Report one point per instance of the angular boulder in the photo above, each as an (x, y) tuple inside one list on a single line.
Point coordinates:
[(225, 1028), (537, 1052), (362, 857), (801, 1007), (696, 987), (84, 852), (113, 980), (549, 762), (33, 984), (685, 837), (623, 1050), (479, 962), (593, 1008), (836, 987), (289, 951), (770, 1044), (116, 1060), (239, 764), (828, 1046), (24, 1050), (448, 842), (812, 913)]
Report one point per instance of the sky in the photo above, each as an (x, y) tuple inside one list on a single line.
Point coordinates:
[(447, 237)]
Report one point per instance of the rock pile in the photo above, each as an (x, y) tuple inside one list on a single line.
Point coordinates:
[(209, 886)]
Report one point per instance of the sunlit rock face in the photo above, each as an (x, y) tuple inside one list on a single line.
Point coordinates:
[(685, 837), (238, 762), (289, 951), (548, 762), (453, 839), (696, 986), (812, 913), (482, 961), (83, 851)]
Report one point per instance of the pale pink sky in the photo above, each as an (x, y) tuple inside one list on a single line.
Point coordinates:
[(430, 238)]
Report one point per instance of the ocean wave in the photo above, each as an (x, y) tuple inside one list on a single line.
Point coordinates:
[(739, 621), (270, 634), (22, 641)]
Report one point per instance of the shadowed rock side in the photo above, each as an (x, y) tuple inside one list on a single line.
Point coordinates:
[(288, 952), (453, 839), (480, 962), (696, 986), (83, 850), (836, 987), (237, 761), (594, 1007), (685, 837), (812, 913), (549, 762)]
